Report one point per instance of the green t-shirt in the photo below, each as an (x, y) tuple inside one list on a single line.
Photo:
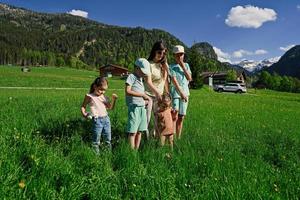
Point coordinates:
[(177, 72)]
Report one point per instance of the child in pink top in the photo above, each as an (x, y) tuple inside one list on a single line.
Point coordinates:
[(98, 105)]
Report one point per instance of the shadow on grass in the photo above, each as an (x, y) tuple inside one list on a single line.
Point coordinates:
[(57, 131)]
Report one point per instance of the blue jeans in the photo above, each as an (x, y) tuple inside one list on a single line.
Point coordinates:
[(101, 125)]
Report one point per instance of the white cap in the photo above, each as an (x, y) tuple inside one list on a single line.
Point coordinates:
[(178, 49), (144, 65)]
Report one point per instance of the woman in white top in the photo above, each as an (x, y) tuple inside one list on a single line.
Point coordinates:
[(156, 83)]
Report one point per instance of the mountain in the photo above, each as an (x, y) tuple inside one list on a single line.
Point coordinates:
[(289, 63), (256, 66), (206, 50), (248, 65), (239, 69), (32, 38)]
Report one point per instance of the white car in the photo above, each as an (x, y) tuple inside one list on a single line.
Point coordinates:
[(231, 87)]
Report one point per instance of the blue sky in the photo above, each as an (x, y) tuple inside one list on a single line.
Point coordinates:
[(238, 30)]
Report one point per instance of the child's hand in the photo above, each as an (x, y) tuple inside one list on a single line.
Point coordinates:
[(146, 102), (159, 97), (181, 63), (114, 96), (88, 116), (183, 97), (146, 97)]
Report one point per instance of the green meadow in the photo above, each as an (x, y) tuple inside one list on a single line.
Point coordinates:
[(233, 146)]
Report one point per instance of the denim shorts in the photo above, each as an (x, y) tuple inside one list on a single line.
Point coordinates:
[(101, 125)]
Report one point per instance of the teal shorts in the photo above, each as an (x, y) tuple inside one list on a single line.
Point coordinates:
[(180, 105), (137, 119)]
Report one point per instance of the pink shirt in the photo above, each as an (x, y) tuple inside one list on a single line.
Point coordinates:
[(98, 105)]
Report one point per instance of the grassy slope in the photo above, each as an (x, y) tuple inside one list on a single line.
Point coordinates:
[(233, 146), (48, 77)]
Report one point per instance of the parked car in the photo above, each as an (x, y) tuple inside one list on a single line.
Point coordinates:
[(231, 87)]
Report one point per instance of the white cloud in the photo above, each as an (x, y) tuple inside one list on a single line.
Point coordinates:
[(287, 47), (260, 52), (249, 16), (298, 7), (222, 56), (80, 13), (241, 53)]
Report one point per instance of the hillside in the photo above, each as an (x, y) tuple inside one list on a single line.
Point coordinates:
[(31, 38), (289, 63), (206, 50)]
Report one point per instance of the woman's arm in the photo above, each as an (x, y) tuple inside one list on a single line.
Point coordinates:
[(152, 87), (165, 68), (84, 104)]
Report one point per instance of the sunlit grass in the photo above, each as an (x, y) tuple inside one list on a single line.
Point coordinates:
[(233, 147)]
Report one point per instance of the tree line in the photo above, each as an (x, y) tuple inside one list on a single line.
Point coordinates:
[(277, 82)]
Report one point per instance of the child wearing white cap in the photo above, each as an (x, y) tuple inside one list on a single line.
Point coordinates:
[(135, 100), (181, 75)]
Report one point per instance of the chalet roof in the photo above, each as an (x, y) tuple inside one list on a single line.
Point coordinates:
[(206, 74), (111, 65)]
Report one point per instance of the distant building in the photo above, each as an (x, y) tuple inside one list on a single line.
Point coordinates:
[(217, 77), (220, 77), (113, 70), (241, 76)]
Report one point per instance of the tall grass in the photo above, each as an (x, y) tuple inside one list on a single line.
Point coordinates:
[(233, 147)]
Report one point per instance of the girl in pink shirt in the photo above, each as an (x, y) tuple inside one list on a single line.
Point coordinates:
[(98, 105)]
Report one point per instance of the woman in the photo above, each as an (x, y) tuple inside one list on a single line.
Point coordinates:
[(156, 83)]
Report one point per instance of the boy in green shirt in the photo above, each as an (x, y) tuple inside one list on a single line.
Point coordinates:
[(135, 100)]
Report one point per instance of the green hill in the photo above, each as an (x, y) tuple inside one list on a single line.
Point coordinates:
[(32, 38), (41, 39), (289, 63)]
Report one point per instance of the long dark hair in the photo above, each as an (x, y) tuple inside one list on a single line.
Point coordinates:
[(158, 46), (97, 82)]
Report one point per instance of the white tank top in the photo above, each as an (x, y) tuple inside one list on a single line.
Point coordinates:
[(98, 105)]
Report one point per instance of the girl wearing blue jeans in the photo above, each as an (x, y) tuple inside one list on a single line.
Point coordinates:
[(98, 105)]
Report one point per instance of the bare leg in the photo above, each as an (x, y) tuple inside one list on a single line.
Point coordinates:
[(137, 140), (131, 139), (179, 125), (171, 141), (156, 132), (149, 111), (162, 140), (175, 118)]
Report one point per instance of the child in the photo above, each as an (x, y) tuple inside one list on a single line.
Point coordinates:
[(135, 100), (180, 77), (98, 104), (165, 121)]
